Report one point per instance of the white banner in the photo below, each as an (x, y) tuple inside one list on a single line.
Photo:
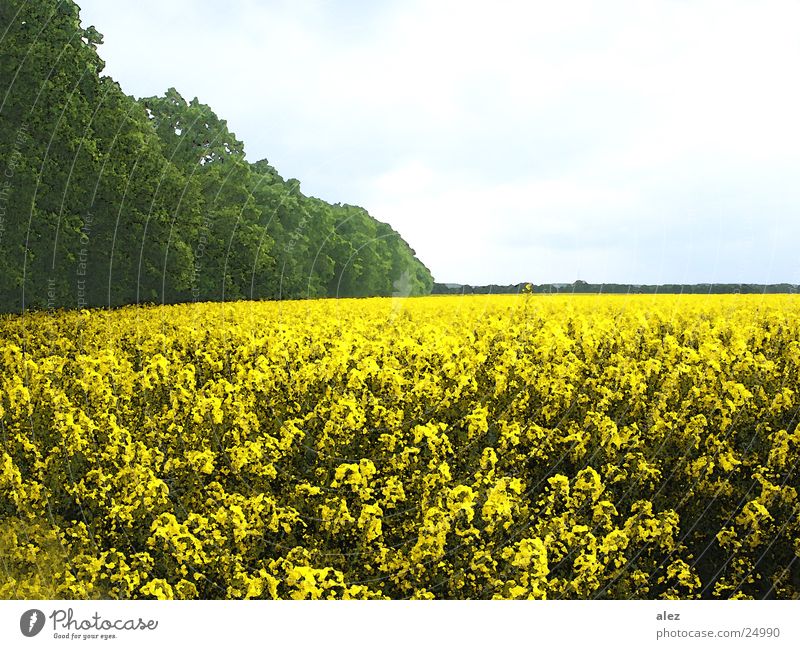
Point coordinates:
[(484, 624)]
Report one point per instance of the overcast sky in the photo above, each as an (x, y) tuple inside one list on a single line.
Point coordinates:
[(609, 141)]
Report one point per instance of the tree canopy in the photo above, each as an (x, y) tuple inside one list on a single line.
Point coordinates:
[(108, 200)]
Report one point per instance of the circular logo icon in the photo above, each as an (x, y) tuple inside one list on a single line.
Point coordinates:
[(31, 622)]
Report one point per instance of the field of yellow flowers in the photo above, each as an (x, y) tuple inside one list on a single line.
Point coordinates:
[(441, 447)]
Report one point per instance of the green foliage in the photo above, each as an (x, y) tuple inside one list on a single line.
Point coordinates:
[(106, 200)]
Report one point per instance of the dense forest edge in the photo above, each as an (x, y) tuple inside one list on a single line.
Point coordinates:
[(108, 200)]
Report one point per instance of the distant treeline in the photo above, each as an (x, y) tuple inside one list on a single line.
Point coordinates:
[(581, 286), (109, 200)]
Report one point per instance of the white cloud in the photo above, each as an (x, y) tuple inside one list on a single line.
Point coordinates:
[(629, 141)]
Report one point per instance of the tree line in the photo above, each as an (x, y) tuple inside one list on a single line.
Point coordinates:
[(581, 286), (108, 200)]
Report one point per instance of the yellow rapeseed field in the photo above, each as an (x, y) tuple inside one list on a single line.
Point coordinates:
[(441, 447)]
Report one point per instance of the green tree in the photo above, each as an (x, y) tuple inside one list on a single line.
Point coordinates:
[(106, 200)]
